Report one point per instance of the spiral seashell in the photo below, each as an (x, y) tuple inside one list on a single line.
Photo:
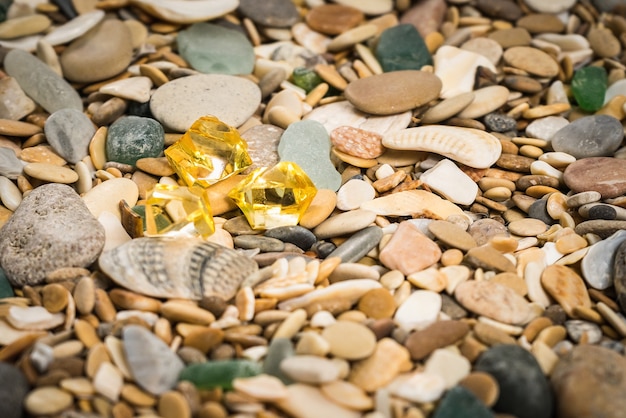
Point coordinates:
[(177, 267), (472, 147)]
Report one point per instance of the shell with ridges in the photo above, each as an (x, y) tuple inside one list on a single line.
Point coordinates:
[(177, 267), (468, 146)]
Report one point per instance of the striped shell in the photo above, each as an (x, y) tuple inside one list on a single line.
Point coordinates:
[(472, 147), (168, 267)]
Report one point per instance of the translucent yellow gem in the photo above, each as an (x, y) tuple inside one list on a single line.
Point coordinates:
[(274, 197), (187, 207), (208, 152)]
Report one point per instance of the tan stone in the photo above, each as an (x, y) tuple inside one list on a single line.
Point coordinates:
[(409, 250), (566, 287)]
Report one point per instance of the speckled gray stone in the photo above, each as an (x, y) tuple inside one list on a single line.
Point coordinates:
[(133, 137), (589, 136), (52, 228), (69, 132), (10, 165)]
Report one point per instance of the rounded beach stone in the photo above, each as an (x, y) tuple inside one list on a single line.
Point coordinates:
[(590, 136), (69, 132), (275, 13), (604, 175), (13, 390), (349, 340), (494, 301), (394, 92), (101, 53), (179, 103), (52, 228), (520, 378), (10, 165), (333, 19), (210, 48), (438, 335), (40, 82), (47, 400), (532, 60), (589, 382), (133, 137)]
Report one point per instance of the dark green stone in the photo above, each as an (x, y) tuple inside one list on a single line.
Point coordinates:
[(4, 6), (459, 402), (589, 86), (219, 374), (305, 78), (401, 47), (133, 137), (278, 350), (6, 290)]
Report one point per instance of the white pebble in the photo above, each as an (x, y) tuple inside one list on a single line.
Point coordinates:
[(452, 367), (384, 171), (9, 194), (353, 193)]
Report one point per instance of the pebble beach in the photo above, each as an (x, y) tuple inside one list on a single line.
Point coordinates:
[(442, 231)]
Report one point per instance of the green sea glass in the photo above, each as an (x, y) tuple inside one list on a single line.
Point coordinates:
[(589, 86)]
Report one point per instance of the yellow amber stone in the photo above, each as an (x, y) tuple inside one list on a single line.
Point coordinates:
[(272, 197), (208, 152), (187, 207)]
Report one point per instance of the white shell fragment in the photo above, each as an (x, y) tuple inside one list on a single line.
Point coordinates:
[(187, 11), (468, 146), (168, 267)]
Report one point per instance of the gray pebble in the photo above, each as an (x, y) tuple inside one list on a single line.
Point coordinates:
[(69, 132), (10, 165), (294, 234), (498, 122), (597, 266), (265, 244), (590, 136), (13, 390), (576, 328), (359, 244), (539, 210)]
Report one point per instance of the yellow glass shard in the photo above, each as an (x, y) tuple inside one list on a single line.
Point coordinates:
[(272, 197), (187, 207), (208, 152)]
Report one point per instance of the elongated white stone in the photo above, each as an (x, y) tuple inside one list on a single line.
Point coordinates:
[(74, 28)]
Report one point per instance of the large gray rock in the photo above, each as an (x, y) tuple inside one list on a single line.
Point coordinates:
[(590, 136), (52, 228)]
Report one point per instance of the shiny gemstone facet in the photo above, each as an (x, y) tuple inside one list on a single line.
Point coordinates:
[(187, 207), (208, 152), (272, 197)]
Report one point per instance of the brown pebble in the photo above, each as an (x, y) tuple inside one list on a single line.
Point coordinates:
[(440, 334), (377, 303), (54, 297), (173, 404), (483, 385), (491, 335)]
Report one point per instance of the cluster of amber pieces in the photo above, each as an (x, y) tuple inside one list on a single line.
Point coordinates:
[(209, 152)]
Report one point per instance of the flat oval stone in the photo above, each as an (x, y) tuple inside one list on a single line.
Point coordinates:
[(179, 103), (47, 400), (185, 12), (132, 88), (438, 335), (447, 108), (590, 136), (531, 60), (210, 48), (24, 26), (131, 138), (51, 173), (74, 28), (333, 19), (275, 13), (55, 230), (69, 132), (520, 378), (554, 7), (486, 100), (369, 7), (349, 340), (468, 146), (40, 82), (106, 196), (394, 92), (399, 253), (452, 235), (101, 53), (307, 144), (590, 378), (294, 234), (15, 103), (566, 287), (310, 369), (494, 301), (605, 175)]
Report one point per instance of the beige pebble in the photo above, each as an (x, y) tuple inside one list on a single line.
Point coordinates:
[(126, 299), (97, 148), (47, 400), (320, 208), (352, 37), (451, 257), (70, 348), (54, 297), (348, 395), (349, 340), (291, 325), (79, 386), (483, 386), (306, 401), (551, 335), (447, 108), (51, 173), (311, 342), (10, 194), (486, 100), (95, 357), (173, 404), (41, 154), (378, 370), (262, 387), (16, 128), (107, 195), (345, 223), (184, 312), (527, 227), (86, 333)]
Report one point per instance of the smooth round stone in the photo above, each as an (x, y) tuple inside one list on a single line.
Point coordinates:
[(333, 19), (486, 47), (554, 7), (545, 128), (348, 395), (40, 82), (51, 173), (600, 227), (275, 13), (353, 193), (131, 138), (566, 287), (451, 366), (579, 199), (438, 335), (452, 235), (401, 47), (24, 26), (588, 382), (294, 234), (459, 401), (10, 165), (320, 208), (210, 48), (107, 195), (185, 12), (179, 103), (307, 144), (69, 132), (597, 266), (10, 194), (494, 301), (47, 400), (74, 28), (418, 387), (531, 60), (541, 23), (486, 100), (101, 53), (447, 108), (520, 378), (591, 136), (527, 227), (394, 92), (538, 210), (419, 310), (369, 7), (153, 366), (55, 230), (349, 340), (303, 399), (604, 175), (13, 389)]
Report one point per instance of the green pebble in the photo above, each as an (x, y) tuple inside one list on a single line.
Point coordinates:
[(162, 221), (305, 78), (459, 402), (133, 137), (219, 374), (401, 47), (589, 86), (6, 290)]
